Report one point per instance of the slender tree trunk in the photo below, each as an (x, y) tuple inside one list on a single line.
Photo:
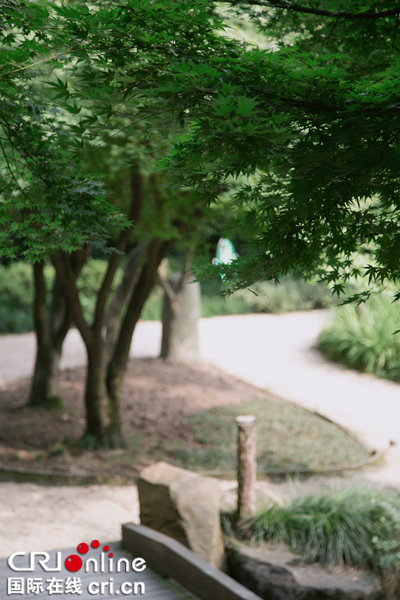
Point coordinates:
[(45, 388), (98, 416), (103, 386), (132, 268), (51, 330), (116, 369), (50, 334), (103, 427)]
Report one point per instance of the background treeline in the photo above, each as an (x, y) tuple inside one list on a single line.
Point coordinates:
[(16, 295)]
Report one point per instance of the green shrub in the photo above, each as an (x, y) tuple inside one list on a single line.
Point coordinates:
[(287, 296), (290, 295), (152, 310), (17, 292), (333, 528), (16, 296), (365, 341)]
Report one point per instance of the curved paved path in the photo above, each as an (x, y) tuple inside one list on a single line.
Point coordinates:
[(271, 351)]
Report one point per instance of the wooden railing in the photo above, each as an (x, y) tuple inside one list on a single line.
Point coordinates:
[(172, 560)]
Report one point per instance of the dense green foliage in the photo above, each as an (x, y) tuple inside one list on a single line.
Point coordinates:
[(333, 188), (365, 340), (313, 123), (290, 295), (334, 527), (47, 203)]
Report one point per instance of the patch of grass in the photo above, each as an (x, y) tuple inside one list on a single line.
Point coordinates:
[(365, 341), (356, 526), (288, 437), (58, 448), (53, 403)]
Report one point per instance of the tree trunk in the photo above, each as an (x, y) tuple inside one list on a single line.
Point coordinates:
[(45, 389), (50, 335), (103, 426), (98, 414), (135, 259), (103, 385), (51, 330), (181, 312), (157, 251)]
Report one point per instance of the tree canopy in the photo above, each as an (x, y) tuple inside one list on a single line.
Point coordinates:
[(305, 130), (46, 203)]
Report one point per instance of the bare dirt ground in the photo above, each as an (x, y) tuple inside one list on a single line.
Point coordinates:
[(156, 395)]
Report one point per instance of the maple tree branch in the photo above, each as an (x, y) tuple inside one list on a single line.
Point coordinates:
[(120, 246), (341, 14)]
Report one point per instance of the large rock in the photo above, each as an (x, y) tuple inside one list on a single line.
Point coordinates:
[(184, 506), (278, 574)]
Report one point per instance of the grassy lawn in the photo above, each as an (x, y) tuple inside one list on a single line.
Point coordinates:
[(288, 437)]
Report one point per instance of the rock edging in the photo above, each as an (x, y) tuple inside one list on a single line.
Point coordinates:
[(275, 573)]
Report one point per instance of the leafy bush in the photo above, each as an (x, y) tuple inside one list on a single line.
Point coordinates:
[(389, 565), (365, 341), (290, 295), (335, 527), (16, 296), (152, 310), (17, 292)]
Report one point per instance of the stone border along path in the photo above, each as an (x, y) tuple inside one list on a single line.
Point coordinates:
[(271, 351)]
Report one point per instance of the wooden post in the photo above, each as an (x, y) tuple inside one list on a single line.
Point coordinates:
[(247, 467)]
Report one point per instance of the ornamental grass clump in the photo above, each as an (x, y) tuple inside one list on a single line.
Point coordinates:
[(365, 340), (335, 528)]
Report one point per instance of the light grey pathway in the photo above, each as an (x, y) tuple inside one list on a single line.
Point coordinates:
[(271, 351), (40, 517)]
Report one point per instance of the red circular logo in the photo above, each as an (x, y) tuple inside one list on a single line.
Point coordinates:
[(73, 563)]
